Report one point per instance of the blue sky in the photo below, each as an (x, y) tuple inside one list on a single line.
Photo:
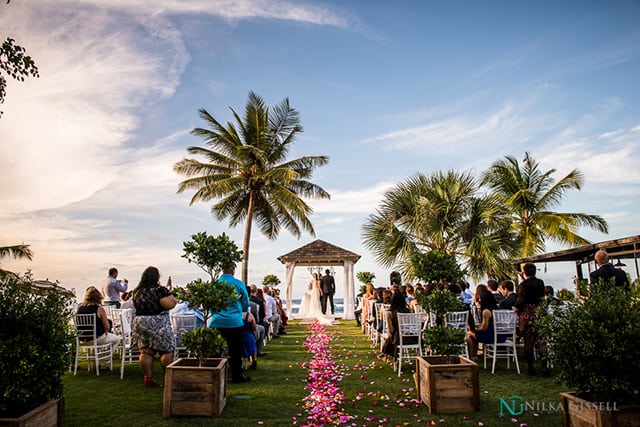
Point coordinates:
[(385, 89)]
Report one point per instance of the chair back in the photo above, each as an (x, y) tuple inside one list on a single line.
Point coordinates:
[(181, 323), (125, 323), (409, 324), (504, 322), (418, 309), (85, 327), (457, 319)]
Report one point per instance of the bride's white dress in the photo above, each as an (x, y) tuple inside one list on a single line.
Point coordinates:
[(310, 306)]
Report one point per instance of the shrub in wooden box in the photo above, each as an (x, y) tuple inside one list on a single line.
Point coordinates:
[(193, 390), (448, 384), (591, 410)]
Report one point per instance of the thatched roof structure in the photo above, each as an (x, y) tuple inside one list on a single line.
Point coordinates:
[(319, 252)]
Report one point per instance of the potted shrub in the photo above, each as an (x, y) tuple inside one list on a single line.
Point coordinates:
[(35, 350), (594, 346), (197, 386), (446, 382), (365, 277)]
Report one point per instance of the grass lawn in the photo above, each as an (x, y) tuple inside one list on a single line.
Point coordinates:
[(374, 394)]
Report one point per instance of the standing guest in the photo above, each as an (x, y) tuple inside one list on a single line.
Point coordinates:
[(506, 289), (530, 296), (549, 297), (112, 288), (493, 287), (230, 324), (483, 331), (92, 304), (152, 331), (368, 295), (606, 271), (328, 288)]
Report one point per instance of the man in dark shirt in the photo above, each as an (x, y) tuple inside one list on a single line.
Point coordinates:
[(328, 288), (508, 296), (606, 271)]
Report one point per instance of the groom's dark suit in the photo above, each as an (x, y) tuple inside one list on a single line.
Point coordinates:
[(328, 286), (608, 271)]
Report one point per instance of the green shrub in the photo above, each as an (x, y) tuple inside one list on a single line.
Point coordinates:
[(595, 343), (365, 277), (204, 343), (35, 345)]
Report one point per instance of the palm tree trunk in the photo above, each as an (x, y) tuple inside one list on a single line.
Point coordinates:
[(247, 239)]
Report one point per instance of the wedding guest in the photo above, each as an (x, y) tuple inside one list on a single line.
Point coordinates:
[(493, 287), (230, 324), (112, 288), (530, 295), (152, 331), (92, 304), (127, 303), (271, 312), (506, 290), (398, 305), (249, 346), (260, 332), (483, 331), (606, 272)]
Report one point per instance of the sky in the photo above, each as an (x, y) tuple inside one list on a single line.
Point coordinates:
[(384, 89)]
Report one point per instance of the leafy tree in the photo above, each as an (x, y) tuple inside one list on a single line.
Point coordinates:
[(245, 168), (271, 280), (365, 277), (530, 196), (212, 254), (15, 62), (435, 266)]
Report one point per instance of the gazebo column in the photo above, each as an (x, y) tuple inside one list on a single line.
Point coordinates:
[(348, 291), (289, 268)]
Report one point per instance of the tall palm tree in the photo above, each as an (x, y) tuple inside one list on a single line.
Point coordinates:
[(442, 212), (529, 196), (16, 252), (245, 168)]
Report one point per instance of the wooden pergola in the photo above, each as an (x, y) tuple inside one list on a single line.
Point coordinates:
[(322, 254), (619, 250)]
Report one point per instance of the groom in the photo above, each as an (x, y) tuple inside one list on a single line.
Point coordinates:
[(328, 287)]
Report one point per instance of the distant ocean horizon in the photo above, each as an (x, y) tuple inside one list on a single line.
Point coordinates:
[(295, 305)]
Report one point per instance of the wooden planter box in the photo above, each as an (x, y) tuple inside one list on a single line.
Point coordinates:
[(191, 390), (50, 414), (579, 412), (448, 384)]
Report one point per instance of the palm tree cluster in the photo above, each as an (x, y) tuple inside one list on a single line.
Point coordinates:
[(507, 213), (245, 169)]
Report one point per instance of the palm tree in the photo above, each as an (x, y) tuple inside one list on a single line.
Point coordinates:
[(441, 212), (245, 168), (529, 197), (16, 252)]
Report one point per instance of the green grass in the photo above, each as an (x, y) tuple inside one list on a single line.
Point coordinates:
[(373, 391)]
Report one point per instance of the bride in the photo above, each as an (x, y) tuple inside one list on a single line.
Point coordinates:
[(310, 306)]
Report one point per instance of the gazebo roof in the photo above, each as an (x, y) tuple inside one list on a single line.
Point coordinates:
[(319, 252)]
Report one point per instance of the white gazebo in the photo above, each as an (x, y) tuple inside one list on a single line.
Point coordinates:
[(322, 254)]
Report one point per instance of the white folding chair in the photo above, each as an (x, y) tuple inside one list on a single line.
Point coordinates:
[(410, 334), (127, 347), (377, 324), (504, 324), (385, 324), (458, 320), (181, 323), (86, 345)]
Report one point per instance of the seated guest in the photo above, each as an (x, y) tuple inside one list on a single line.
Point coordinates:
[(260, 333), (398, 305), (92, 304), (506, 289), (493, 287), (271, 308), (549, 298), (483, 331), (249, 347)]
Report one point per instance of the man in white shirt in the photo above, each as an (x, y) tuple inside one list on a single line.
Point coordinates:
[(271, 310)]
